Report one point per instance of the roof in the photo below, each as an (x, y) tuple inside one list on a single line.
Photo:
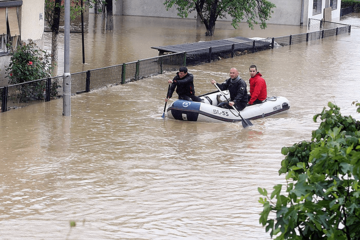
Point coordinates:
[(240, 43)]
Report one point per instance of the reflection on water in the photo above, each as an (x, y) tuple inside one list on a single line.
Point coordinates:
[(122, 172)]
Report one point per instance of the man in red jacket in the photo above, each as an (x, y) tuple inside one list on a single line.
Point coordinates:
[(258, 91)]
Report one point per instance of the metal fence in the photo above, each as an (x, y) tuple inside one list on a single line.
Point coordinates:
[(20, 95)]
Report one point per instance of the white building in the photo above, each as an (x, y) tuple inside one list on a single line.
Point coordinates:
[(287, 12)]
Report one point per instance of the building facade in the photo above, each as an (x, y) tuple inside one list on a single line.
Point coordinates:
[(295, 12), (19, 20)]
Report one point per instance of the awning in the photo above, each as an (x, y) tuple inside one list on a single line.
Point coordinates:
[(13, 22), (2, 21)]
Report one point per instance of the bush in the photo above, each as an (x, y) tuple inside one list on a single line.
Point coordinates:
[(28, 63), (355, 4), (322, 197)]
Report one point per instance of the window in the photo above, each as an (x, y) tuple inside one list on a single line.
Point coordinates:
[(3, 30), (333, 4), (317, 7), (9, 28)]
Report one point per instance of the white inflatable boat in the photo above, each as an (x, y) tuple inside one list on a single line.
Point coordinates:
[(207, 111)]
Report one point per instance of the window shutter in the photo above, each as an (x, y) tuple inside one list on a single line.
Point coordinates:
[(3, 21), (13, 22)]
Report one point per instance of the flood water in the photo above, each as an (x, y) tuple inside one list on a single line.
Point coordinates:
[(120, 171)]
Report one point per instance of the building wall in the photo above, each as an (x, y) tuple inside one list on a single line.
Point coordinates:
[(335, 14), (32, 19), (286, 12)]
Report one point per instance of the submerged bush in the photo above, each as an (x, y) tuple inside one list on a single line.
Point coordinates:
[(29, 63)]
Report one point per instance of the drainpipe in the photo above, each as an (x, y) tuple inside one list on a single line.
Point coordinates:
[(302, 13)]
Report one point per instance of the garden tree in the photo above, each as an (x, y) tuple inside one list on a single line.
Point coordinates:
[(52, 17), (322, 196), (210, 10)]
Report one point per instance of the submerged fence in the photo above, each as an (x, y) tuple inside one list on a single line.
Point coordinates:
[(23, 94)]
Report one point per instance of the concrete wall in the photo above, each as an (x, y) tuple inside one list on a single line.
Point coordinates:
[(154, 9), (286, 12)]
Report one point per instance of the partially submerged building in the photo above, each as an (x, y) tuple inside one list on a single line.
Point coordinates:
[(287, 12), (19, 20)]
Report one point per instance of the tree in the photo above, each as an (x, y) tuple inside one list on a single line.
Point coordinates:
[(106, 7), (322, 197), (210, 10), (52, 17)]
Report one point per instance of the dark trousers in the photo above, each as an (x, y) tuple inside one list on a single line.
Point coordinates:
[(257, 101), (190, 98), (226, 105)]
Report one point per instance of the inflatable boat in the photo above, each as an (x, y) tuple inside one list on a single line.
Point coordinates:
[(207, 110)]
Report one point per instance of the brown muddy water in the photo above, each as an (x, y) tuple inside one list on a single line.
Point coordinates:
[(120, 171)]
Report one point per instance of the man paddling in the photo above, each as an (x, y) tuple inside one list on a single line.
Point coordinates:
[(237, 88), (184, 84)]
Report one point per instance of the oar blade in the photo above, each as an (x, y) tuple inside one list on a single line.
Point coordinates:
[(167, 97), (163, 115), (246, 123)]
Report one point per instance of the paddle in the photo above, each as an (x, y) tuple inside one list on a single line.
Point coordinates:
[(245, 123), (163, 116)]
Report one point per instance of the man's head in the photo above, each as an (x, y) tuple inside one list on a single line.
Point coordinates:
[(183, 72), (234, 73), (253, 70)]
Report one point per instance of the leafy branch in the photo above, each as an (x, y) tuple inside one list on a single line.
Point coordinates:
[(322, 197)]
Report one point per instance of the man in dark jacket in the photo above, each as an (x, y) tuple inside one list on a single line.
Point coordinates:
[(237, 89), (184, 84)]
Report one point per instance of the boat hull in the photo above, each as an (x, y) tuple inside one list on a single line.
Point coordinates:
[(208, 111)]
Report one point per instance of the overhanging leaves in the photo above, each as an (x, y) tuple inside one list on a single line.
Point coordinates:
[(323, 198)]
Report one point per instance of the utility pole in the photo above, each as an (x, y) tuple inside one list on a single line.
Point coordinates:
[(67, 75)]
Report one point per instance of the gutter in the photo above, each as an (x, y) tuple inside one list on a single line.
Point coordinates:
[(302, 13), (11, 4)]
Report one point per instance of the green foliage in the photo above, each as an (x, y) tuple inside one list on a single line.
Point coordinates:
[(75, 10), (322, 197), (209, 11), (351, 3), (28, 63), (357, 105), (100, 4)]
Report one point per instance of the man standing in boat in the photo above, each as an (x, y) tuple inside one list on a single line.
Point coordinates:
[(237, 88), (258, 92), (184, 84)]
